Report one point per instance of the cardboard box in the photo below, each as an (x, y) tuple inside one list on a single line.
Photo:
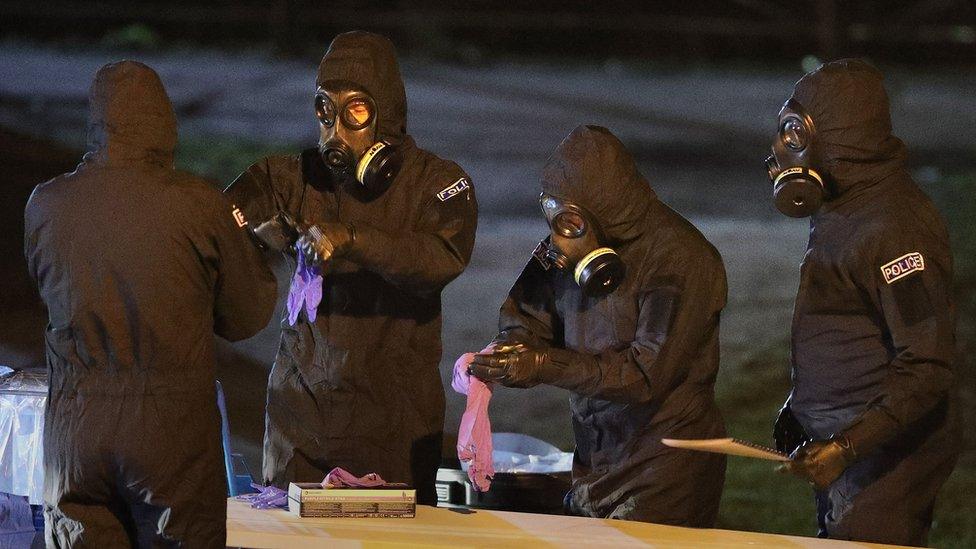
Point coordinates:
[(310, 499)]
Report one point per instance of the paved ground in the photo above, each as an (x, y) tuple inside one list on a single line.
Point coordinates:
[(699, 135), (690, 129)]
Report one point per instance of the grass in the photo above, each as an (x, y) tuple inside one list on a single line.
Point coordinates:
[(221, 159), (754, 384), (955, 517), (757, 499)]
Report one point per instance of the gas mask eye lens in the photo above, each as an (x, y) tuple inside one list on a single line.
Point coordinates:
[(569, 224), (357, 113), (794, 134), (324, 110)]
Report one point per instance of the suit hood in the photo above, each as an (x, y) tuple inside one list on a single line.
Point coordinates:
[(131, 119), (593, 169), (369, 60), (849, 106)]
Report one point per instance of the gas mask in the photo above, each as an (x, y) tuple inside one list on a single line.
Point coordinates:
[(574, 246), (798, 184), (347, 136)]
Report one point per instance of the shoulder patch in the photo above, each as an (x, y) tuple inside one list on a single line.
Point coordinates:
[(454, 189), (239, 217), (905, 265)]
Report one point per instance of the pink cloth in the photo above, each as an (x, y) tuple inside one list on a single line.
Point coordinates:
[(340, 478), (474, 435)]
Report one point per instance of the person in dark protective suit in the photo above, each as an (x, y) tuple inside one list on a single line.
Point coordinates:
[(355, 383), (620, 305), (870, 419), (139, 264)]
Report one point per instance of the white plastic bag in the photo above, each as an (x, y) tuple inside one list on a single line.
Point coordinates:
[(518, 453), (23, 395)]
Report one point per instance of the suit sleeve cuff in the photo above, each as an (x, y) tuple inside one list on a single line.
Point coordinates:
[(872, 429), (570, 370)]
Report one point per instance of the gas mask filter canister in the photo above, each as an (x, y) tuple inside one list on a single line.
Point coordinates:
[(599, 272)]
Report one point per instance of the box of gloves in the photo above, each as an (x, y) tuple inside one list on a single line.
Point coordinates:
[(311, 499)]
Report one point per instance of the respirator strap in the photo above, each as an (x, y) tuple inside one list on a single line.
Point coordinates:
[(578, 272), (799, 170), (367, 158)]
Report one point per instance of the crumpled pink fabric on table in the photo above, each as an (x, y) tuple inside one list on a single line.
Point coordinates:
[(474, 435), (305, 291), (340, 478)]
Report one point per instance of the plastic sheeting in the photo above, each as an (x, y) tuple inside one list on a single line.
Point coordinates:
[(518, 453), (23, 395)]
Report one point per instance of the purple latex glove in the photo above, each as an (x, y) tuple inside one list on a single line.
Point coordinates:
[(340, 478), (306, 289), (474, 435), (267, 497)]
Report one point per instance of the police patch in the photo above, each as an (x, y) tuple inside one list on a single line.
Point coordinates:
[(239, 217), (902, 267), (453, 190)]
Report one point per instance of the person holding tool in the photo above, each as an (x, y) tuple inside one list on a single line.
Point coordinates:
[(382, 226), (138, 264), (620, 304), (870, 421)]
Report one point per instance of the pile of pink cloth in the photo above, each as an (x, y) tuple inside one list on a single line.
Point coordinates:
[(474, 435), (340, 478)]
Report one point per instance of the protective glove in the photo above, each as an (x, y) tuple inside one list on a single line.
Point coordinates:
[(788, 434), (821, 462), (266, 497), (305, 291), (277, 234), (322, 242), (512, 365)]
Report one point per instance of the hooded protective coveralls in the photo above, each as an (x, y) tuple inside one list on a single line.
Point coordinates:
[(872, 336), (640, 362), (359, 388), (139, 264)]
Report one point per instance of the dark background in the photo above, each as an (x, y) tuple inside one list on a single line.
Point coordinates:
[(692, 88), (932, 31)]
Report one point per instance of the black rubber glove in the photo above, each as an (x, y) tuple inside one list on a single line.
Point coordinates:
[(277, 234), (788, 434), (512, 365), (821, 462), (325, 241)]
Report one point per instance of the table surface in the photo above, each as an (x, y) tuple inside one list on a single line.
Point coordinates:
[(433, 526)]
